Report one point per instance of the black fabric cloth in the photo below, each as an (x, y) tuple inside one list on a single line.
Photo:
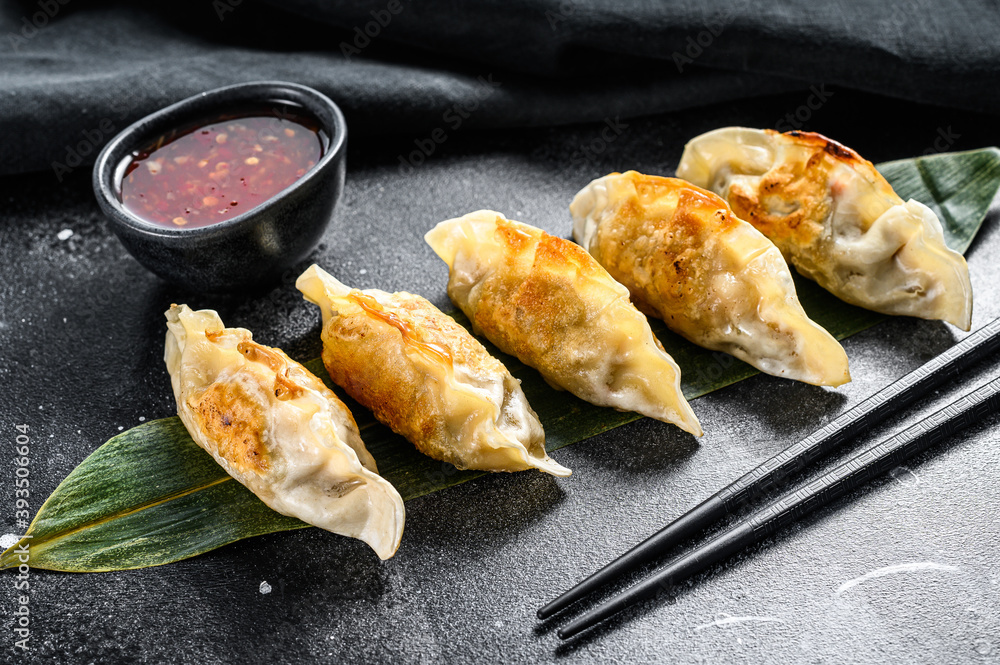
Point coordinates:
[(74, 72)]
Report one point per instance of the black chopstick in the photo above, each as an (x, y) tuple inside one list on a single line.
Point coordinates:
[(775, 471), (875, 461)]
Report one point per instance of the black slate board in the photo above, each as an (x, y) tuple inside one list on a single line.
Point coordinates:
[(81, 333)]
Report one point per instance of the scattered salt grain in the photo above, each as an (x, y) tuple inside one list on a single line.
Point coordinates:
[(265, 587), (8, 540), (65, 234)]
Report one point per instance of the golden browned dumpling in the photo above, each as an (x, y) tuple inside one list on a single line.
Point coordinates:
[(710, 276), (273, 426), (549, 303), (426, 377), (836, 219)]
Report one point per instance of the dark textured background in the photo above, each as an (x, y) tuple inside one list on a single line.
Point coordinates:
[(81, 334), (551, 61)]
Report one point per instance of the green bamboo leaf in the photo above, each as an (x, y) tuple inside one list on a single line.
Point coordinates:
[(151, 496), (146, 497), (958, 187)]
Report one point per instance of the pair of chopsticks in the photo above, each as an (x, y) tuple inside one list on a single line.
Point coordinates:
[(852, 474)]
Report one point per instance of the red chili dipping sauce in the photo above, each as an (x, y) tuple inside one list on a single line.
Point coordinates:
[(209, 172)]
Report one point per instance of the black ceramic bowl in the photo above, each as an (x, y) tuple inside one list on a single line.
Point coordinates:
[(256, 246)]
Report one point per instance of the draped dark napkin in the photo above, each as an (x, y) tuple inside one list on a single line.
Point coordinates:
[(74, 72)]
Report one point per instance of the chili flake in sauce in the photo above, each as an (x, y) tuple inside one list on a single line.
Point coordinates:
[(208, 173)]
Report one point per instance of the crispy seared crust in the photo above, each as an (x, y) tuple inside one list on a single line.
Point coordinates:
[(670, 235), (806, 182), (837, 151), (232, 418), (233, 421), (426, 377), (836, 219), (278, 430), (538, 296), (713, 278), (359, 344), (548, 302)]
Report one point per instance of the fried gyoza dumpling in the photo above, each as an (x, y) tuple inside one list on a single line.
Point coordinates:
[(836, 219), (275, 427), (426, 377), (710, 276), (549, 303)]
